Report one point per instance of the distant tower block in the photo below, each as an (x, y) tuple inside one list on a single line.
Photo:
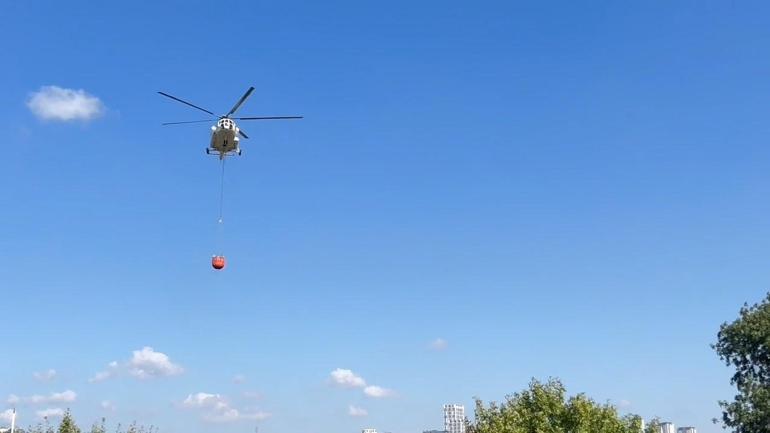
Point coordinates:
[(667, 427), (686, 430), (454, 418), (369, 430)]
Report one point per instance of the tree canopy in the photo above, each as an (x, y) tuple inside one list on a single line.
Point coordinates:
[(745, 345), (545, 408), (67, 424)]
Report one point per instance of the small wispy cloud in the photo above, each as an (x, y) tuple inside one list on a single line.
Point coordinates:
[(356, 411), (252, 395), (45, 376), (216, 408), (239, 379), (438, 344), (61, 104), (101, 376), (54, 412), (67, 396), (203, 399), (6, 415), (108, 405), (347, 379), (378, 391), (232, 415)]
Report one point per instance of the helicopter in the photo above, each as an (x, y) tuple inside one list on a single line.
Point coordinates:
[(225, 134)]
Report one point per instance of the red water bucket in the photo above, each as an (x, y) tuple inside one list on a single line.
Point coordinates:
[(218, 262)]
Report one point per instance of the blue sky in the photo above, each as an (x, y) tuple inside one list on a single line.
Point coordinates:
[(552, 188)]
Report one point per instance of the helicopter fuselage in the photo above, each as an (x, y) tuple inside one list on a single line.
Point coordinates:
[(224, 139)]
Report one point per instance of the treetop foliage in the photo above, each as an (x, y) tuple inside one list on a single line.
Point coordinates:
[(545, 408), (745, 345)]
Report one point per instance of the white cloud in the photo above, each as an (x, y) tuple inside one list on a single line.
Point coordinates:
[(101, 376), (624, 404), (225, 415), (67, 396), (203, 399), (53, 412), (57, 103), (64, 397), (357, 411), (347, 379), (45, 376), (438, 344), (239, 379), (6, 415), (108, 405), (255, 416), (111, 371), (147, 363), (377, 391), (230, 415), (216, 408)]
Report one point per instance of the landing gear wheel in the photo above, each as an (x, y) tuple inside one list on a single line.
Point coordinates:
[(207, 151)]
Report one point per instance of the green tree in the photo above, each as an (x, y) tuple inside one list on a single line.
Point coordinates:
[(68, 424), (36, 429), (545, 408), (653, 426), (47, 428), (99, 427), (745, 345)]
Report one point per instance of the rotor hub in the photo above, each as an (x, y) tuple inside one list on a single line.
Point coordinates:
[(226, 123)]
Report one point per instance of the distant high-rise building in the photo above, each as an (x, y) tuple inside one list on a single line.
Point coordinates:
[(454, 418), (369, 430), (434, 431), (686, 430), (667, 427)]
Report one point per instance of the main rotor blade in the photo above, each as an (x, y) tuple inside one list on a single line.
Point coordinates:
[(268, 118), (243, 134), (187, 103), (189, 121), (240, 102)]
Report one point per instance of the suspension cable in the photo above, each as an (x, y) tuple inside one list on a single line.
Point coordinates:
[(222, 192)]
